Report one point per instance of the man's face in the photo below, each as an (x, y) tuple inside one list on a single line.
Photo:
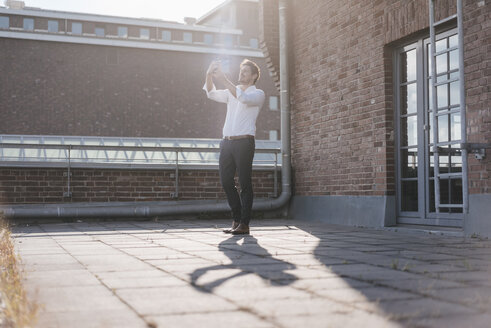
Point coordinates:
[(245, 75)]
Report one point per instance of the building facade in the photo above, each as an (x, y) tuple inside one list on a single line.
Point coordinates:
[(90, 75), (75, 80), (363, 136)]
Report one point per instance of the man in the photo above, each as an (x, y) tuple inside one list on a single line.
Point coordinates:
[(238, 145)]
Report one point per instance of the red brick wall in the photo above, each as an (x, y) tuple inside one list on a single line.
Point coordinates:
[(477, 63), (342, 136), (341, 88), (42, 185), (403, 18), (268, 36), (56, 88)]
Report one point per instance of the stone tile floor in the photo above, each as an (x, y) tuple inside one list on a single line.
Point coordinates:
[(187, 273)]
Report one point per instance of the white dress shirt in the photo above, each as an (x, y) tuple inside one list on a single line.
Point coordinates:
[(242, 111)]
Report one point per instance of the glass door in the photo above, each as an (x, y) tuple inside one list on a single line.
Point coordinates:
[(414, 125)]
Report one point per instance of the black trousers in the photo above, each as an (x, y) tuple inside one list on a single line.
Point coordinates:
[(237, 156)]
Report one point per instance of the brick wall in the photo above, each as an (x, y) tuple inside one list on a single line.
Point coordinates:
[(477, 63), (403, 18), (341, 88), (342, 136), (268, 36), (57, 88), (43, 185)]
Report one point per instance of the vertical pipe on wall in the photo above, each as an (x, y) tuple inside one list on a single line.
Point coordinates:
[(285, 97), (463, 124)]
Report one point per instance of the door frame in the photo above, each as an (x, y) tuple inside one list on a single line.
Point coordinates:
[(423, 216)]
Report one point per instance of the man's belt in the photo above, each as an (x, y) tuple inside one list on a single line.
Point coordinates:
[(245, 136)]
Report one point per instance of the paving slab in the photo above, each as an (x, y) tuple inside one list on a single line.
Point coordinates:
[(236, 319), (173, 300), (182, 273), (75, 298), (61, 278), (92, 319)]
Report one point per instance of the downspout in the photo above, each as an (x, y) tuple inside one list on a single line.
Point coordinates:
[(286, 168), (153, 209)]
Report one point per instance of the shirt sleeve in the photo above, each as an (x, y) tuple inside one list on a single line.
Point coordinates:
[(217, 95), (251, 98)]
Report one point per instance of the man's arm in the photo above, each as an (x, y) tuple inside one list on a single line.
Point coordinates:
[(222, 78), (209, 87), (251, 98), (209, 75)]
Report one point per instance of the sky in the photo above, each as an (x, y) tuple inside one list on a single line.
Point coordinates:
[(169, 10)]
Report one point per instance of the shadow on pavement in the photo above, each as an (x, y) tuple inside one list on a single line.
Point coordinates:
[(250, 258), (412, 279)]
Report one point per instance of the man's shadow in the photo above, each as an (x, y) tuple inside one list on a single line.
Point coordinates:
[(248, 258)]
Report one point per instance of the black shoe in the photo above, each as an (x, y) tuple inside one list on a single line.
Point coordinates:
[(242, 229), (235, 224)]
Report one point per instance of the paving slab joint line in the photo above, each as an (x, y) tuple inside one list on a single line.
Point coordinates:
[(240, 307)]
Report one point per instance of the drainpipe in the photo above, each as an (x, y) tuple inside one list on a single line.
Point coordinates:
[(285, 113), (153, 209)]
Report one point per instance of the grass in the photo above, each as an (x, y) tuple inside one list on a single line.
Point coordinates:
[(16, 310), (395, 264)]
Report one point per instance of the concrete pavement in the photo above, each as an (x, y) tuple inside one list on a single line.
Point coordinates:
[(187, 273)]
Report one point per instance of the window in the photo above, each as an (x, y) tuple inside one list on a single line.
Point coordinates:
[(187, 37), (4, 22), (253, 43), (166, 36), (229, 41), (273, 102), (99, 31), (122, 31), (144, 33), (28, 24), (208, 38), (273, 135), (76, 28), (53, 26)]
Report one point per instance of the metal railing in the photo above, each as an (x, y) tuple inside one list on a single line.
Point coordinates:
[(127, 157)]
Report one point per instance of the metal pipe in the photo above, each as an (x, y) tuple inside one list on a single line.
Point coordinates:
[(285, 102), (153, 209), (176, 194), (436, 155), (69, 173), (275, 181), (463, 121)]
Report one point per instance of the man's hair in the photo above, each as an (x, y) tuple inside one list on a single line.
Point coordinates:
[(254, 68)]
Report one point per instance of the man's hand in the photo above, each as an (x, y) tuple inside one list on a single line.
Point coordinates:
[(219, 75), (215, 72), (213, 68)]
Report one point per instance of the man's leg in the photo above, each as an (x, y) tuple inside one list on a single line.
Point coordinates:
[(244, 154), (227, 167)]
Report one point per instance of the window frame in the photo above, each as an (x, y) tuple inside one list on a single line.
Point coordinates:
[(50, 22), (168, 35), (99, 28), (123, 35), (6, 19), (187, 37), (142, 36), (25, 20), (77, 24)]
